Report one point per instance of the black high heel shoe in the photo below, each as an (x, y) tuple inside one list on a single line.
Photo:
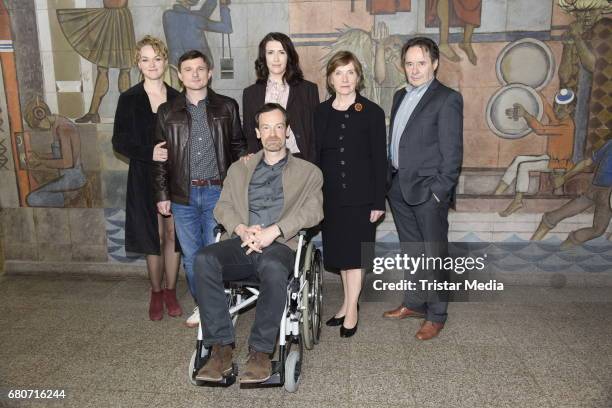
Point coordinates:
[(344, 332), (335, 321)]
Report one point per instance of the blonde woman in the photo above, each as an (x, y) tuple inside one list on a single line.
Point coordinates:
[(146, 231)]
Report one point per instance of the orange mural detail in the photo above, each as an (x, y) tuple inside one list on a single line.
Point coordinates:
[(19, 141)]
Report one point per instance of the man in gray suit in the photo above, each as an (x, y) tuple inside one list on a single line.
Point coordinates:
[(426, 152)]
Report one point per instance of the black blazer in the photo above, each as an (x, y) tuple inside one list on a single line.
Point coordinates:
[(302, 101), (364, 155), (431, 147), (133, 137)]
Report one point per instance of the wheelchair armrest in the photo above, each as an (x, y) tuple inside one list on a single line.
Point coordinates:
[(219, 229), (308, 233)]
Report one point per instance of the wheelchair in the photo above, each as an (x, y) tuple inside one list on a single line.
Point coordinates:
[(300, 326)]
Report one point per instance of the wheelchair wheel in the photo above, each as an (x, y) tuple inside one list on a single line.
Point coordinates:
[(305, 321), (293, 368), (317, 297)]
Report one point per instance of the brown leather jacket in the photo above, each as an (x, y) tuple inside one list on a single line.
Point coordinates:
[(171, 179)]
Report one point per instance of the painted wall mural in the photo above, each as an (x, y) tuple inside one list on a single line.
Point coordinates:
[(3, 149), (105, 37), (184, 14), (535, 77), (455, 13)]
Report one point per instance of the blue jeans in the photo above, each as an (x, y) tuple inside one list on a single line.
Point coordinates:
[(195, 224)]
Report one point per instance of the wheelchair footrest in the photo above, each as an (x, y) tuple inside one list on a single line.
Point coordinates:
[(228, 380), (275, 378), (273, 381)]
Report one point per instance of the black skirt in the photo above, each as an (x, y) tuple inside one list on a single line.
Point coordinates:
[(344, 229)]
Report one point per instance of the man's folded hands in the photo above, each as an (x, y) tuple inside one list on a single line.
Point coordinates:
[(255, 237)]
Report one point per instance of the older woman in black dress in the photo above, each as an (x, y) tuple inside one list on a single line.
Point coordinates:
[(280, 80), (146, 231), (351, 152)]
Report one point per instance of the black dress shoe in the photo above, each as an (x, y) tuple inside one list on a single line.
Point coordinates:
[(335, 321), (344, 332)]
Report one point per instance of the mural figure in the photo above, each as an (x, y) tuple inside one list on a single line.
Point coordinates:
[(379, 53), (559, 147), (185, 29), (3, 159), (598, 195), (586, 47), (65, 156), (386, 6), (454, 13), (104, 37)]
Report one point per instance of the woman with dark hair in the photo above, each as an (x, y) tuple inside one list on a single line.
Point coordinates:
[(351, 151), (146, 231), (280, 80)]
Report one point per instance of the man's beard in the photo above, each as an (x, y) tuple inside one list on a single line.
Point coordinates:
[(274, 145)]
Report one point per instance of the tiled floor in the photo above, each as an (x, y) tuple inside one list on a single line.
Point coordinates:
[(93, 339)]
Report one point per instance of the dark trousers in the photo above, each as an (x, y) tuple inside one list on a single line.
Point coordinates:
[(422, 229), (227, 261)]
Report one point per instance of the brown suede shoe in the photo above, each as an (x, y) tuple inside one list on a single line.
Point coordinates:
[(218, 365), (429, 330), (402, 312), (258, 368)]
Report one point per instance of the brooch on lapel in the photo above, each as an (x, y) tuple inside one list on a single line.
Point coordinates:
[(358, 107)]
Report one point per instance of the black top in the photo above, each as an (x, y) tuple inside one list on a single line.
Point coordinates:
[(303, 100), (133, 136), (332, 153), (354, 165)]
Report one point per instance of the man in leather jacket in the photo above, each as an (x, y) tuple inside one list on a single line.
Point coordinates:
[(199, 136)]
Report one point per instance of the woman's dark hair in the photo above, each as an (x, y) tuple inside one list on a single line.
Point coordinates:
[(293, 73), (426, 44)]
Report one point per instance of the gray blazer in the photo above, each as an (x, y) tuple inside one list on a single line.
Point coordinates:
[(431, 147)]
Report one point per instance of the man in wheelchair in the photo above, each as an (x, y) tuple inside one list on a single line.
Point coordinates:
[(265, 202)]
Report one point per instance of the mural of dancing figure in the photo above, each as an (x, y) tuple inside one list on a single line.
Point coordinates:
[(65, 156), (598, 196), (104, 37), (455, 13)]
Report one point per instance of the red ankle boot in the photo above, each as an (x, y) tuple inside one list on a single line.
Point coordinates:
[(156, 306), (174, 309)]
